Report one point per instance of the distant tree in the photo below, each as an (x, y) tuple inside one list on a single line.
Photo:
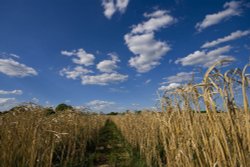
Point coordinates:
[(113, 113), (138, 111), (63, 107)]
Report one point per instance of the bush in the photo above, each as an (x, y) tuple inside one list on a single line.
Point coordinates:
[(49, 111), (138, 111), (63, 107)]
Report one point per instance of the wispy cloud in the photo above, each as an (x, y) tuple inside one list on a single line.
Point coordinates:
[(99, 105), (12, 92), (103, 79), (204, 58), (112, 6), (233, 36), (13, 68), (147, 81), (233, 8), (4, 101), (175, 81), (7, 103), (118, 90), (35, 100), (180, 77), (141, 41)]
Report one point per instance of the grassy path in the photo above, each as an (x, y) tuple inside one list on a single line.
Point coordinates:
[(112, 150)]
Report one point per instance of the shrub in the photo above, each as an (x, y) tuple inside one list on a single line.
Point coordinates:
[(63, 107), (49, 111)]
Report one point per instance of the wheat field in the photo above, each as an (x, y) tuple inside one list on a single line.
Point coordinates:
[(193, 128), (32, 138)]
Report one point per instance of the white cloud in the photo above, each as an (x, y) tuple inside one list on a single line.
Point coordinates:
[(234, 35), (98, 105), (147, 81), (111, 6), (204, 58), (103, 79), (77, 72), (180, 77), (83, 58), (108, 66), (148, 51), (141, 41), (67, 101), (169, 87), (13, 68), (8, 55), (122, 5), (14, 55), (35, 100), (157, 20), (118, 90), (176, 81), (232, 8), (7, 103), (12, 92)]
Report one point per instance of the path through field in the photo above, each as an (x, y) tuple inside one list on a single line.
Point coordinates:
[(112, 150)]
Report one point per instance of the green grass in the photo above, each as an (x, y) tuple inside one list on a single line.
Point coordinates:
[(111, 149)]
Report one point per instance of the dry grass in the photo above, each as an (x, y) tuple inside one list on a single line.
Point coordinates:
[(187, 139), (32, 138), (182, 136)]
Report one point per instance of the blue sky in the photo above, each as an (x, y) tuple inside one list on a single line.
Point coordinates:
[(113, 55)]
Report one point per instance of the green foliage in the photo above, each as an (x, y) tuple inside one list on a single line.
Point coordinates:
[(138, 111), (203, 111), (63, 107), (113, 113), (49, 111), (111, 149)]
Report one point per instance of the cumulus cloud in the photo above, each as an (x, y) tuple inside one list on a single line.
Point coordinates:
[(156, 20), (77, 72), (233, 36), (108, 74), (141, 41), (233, 8), (169, 87), (112, 6), (13, 68), (148, 51), (83, 58), (204, 58), (12, 92), (98, 105), (103, 79), (108, 66)]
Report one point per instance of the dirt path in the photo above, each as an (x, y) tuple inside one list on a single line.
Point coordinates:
[(112, 150)]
